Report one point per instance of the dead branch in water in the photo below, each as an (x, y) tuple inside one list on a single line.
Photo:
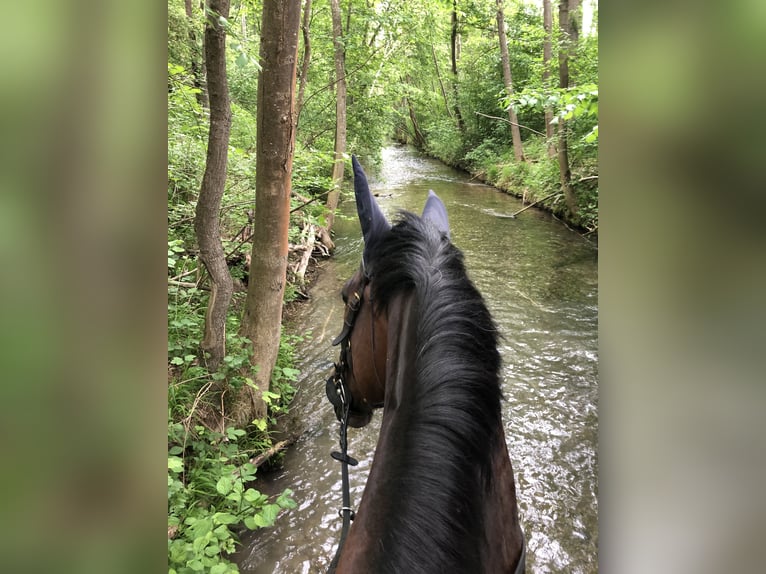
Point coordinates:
[(534, 203)]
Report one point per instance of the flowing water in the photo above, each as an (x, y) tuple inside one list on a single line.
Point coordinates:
[(539, 280)]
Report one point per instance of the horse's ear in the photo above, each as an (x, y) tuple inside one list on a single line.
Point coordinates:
[(435, 212), (370, 216)]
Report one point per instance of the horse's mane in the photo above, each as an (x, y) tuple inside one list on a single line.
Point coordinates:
[(443, 453)]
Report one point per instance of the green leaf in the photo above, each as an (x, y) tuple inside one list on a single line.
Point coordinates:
[(225, 518), (290, 373), (285, 501), (268, 396), (253, 496), (250, 523), (175, 464), (267, 515), (224, 485), (176, 361), (592, 135), (212, 550), (219, 569)]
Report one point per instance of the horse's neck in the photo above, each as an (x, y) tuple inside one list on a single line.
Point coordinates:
[(386, 501)]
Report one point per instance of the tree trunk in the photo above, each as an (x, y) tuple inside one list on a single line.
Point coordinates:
[(197, 68), (340, 113), (441, 83), (304, 75), (420, 140), (569, 36), (454, 54), (275, 145), (518, 150), (547, 53), (207, 218)]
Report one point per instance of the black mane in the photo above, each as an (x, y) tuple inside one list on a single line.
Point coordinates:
[(449, 422)]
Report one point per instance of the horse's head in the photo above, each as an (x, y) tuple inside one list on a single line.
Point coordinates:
[(357, 385)]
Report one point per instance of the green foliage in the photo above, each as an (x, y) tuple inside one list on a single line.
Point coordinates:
[(209, 477), (570, 104), (208, 495)]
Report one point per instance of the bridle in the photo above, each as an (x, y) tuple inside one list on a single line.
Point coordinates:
[(339, 395)]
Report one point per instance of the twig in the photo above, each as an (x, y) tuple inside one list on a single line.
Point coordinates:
[(534, 203), (184, 274), (265, 456), (312, 200), (510, 122), (586, 178), (186, 284), (240, 244)]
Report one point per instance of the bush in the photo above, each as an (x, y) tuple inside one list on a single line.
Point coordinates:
[(209, 472), (208, 496)]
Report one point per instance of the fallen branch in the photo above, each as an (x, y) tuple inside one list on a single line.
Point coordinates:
[(586, 178), (534, 203), (265, 456), (510, 122), (300, 271)]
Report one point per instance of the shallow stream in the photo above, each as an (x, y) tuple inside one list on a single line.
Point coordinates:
[(540, 282)]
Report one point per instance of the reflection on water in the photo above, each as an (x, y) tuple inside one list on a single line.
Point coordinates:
[(540, 282)]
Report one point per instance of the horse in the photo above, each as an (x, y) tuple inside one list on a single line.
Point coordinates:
[(418, 341)]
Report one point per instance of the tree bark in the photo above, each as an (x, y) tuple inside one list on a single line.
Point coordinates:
[(569, 37), (207, 218), (547, 54), (455, 55), (518, 150), (304, 75), (262, 320), (340, 113)]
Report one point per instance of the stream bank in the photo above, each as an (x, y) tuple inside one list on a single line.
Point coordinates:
[(534, 181)]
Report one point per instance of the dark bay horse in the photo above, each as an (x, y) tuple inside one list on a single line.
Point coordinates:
[(419, 341)]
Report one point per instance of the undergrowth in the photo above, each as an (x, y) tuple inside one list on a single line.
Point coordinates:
[(210, 495)]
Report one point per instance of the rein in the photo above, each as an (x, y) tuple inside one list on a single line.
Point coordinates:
[(339, 395), (346, 512)]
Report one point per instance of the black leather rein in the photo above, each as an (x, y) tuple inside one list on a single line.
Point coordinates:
[(339, 395)]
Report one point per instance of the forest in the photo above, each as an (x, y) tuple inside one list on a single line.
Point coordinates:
[(266, 103)]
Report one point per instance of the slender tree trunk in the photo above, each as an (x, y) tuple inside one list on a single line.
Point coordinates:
[(420, 140), (340, 112), (454, 54), (569, 36), (207, 218), (197, 67), (304, 75), (518, 150), (441, 83), (547, 54), (262, 320)]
